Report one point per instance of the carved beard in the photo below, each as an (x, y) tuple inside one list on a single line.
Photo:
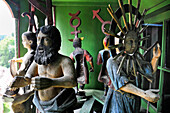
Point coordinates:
[(44, 55)]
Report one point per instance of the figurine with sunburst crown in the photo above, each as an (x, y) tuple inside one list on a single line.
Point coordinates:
[(127, 67)]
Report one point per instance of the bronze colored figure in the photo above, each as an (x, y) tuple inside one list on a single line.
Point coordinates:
[(53, 86)]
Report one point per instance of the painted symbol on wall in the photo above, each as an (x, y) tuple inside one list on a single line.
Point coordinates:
[(75, 16), (95, 14)]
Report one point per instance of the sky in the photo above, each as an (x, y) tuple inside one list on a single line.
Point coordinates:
[(7, 22)]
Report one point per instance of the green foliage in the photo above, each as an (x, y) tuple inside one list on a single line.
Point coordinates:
[(7, 108), (7, 50)]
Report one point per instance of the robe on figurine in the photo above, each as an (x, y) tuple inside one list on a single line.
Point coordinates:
[(127, 67)]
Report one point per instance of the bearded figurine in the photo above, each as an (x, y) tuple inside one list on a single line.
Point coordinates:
[(82, 57), (46, 54), (56, 74)]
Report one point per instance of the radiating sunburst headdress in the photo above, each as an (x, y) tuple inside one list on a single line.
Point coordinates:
[(129, 33)]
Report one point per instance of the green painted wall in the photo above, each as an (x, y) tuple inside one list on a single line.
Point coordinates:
[(90, 28)]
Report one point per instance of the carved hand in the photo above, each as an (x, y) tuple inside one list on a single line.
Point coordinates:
[(157, 53), (40, 83), (151, 96), (19, 81)]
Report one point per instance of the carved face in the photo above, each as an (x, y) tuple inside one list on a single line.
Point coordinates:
[(43, 40), (25, 42), (48, 44), (45, 51), (131, 42), (29, 40)]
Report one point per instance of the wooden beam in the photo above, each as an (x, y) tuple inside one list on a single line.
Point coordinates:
[(45, 10), (157, 12)]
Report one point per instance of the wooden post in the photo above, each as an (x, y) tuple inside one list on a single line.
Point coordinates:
[(161, 80)]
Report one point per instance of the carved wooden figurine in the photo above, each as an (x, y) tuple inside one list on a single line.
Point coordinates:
[(19, 104), (29, 42), (53, 86), (81, 56), (126, 68), (102, 58)]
